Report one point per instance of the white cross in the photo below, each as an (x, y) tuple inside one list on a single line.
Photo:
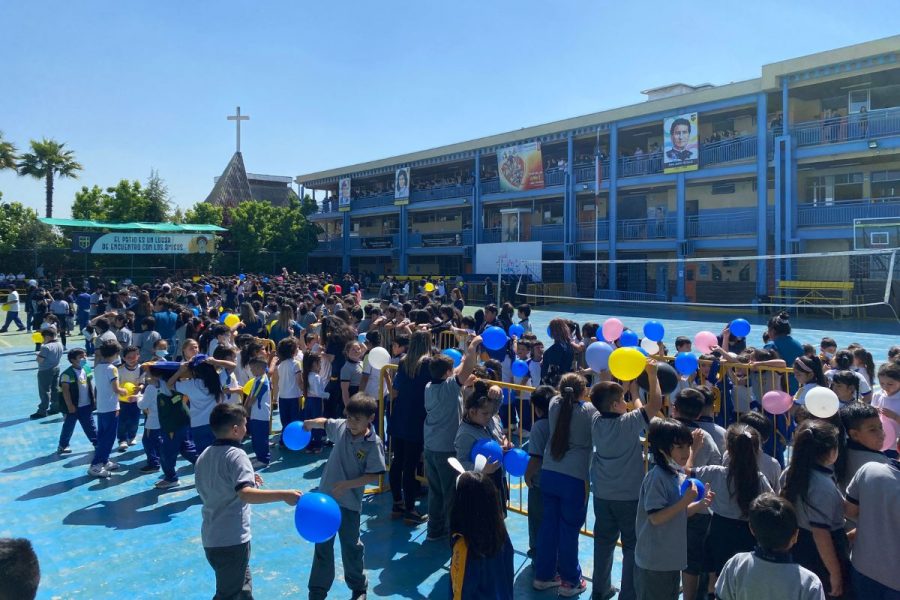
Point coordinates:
[(237, 117)]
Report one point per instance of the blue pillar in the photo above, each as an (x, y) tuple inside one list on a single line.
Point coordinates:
[(613, 208), (404, 240), (345, 255), (762, 199), (570, 212), (788, 180), (476, 208), (681, 236)]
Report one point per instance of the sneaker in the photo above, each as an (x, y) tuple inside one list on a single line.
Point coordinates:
[(567, 590), (414, 518), (540, 584), (123, 446), (38, 415), (52, 411), (359, 595), (111, 466), (149, 469), (132, 442), (258, 464), (165, 484), (61, 450), (98, 471)]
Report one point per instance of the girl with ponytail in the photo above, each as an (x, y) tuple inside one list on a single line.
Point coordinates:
[(565, 474)]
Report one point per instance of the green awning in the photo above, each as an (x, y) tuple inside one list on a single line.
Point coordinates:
[(170, 227)]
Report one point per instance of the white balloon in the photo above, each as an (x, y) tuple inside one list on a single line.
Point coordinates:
[(650, 346), (378, 358), (821, 402)]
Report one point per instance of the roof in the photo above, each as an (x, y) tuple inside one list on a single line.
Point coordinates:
[(232, 187), (168, 227)]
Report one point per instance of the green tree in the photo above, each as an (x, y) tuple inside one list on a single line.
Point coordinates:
[(125, 203), (48, 159), (177, 216), (21, 229), (7, 154), (157, 196), (89, 204), (204, 213)]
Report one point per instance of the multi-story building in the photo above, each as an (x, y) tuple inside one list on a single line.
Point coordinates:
[(782, 164)]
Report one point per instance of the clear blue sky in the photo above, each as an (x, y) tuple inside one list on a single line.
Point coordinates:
[(132, 86)]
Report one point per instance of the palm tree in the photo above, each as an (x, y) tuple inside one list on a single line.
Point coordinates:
[(7, 154), (49, 158)]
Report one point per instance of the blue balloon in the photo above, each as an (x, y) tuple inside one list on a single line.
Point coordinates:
[(520, 368), (265, 280), (362, 338), (597, 356), (489, 448), (628, 338), (654, 330), (294, 436), (701, 489), (196, 311), (317, 517), (242, 277), (207, 288), (740, 328), (549, 335), (494, 338), (516, 330), (455, 354), (686, 363), (223, 316), (515, 462)]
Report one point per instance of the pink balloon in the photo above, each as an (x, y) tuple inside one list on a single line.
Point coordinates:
[(890, 433), (777, 402), (704, 341), (612, 329)]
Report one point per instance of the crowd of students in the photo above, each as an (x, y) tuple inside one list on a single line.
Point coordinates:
[(205, 381)]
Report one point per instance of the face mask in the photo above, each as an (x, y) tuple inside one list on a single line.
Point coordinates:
[(161, 353), (82, 363), (828, 355)]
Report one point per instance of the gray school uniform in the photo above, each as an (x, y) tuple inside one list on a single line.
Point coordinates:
[(875, 489), (52, 353), (725, 504), (716, 431), (443, 414), (466, 436), (352, 372), (660, 547), (351, 457), (537, 443), (750, 576), (709, 453), (742, 397), (222, 471), (576, 462), (824, 506), (617, 469), (857, 456)]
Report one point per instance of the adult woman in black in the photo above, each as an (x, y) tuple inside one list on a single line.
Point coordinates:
[(560, 356), (335, 334), (253, 323)]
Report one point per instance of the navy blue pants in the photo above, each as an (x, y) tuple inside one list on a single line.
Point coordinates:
[(288, 412), (259, 437), (313, 409), (129, 419), (13, 317), (107, 424), (83, 415), (868, 588), (173, 443), (565, 509), (152, 441), (203, 437)]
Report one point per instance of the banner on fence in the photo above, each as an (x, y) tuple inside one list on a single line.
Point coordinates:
[(143, 243), (511, 258)]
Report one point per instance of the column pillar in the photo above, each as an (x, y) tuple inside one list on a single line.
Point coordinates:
[(762, 192), (345, 255), (476, 209), (570, 212), (613, 207), (681, 237), (404, 240)]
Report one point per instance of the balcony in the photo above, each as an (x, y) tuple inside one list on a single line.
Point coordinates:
[(375, 241), (588, 231), (587, 173), (440, 240), (442, 193), (842, 214), (552, 178), (734, 149), (644, 164), (859, 126), (538, 233), (330, 245), (646, 229), (722, 223), (385, 199)]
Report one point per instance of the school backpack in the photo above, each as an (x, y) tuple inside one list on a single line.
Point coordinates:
[(173, 412)]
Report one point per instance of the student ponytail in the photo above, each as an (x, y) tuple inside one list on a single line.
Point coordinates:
[(813, 441), (865, 357), (571, 387), (742, 443)]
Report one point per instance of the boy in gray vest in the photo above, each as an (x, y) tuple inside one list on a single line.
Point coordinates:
[(48, 358)]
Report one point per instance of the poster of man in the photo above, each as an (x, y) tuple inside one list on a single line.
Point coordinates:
[(401, 186), (510, 229), (344, 194), (680, 151)]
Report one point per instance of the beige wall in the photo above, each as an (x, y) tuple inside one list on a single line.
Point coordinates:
[(744, 196)]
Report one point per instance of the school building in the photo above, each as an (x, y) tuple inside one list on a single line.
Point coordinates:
[(782, 164)]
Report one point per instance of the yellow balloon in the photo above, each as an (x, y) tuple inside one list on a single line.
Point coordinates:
[(429, 287), (7, 306), (195, 278), (271, 324), (37, 338), (327, 288), (232, 320), (129, 391), (627, 363), (248, 386)]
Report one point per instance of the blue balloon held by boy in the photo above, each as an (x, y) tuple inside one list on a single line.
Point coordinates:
[(489, 448), (701, 489), (494, 338), (317, 517), (739, 328), (454, 354), (295, 437), (515, 462), (516, 331), (628, 338), (519, 368), (654, 330), (686, 363)]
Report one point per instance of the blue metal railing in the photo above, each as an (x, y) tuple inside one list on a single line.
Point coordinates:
[(843, 213), (385, 199), (645, 164), (545, 233), (740, 148), (329, 245), (722, 223), (442, 193), (465, 238), (587, 173), (859, 126), (646, 229), (356, 242), (587, 231)]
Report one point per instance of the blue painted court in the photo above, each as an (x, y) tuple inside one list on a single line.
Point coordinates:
[(120, 538)]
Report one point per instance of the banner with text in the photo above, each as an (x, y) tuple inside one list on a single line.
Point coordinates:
[(344, 195), (681, 152), (401, 187), (521, 167), (143, 243)]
